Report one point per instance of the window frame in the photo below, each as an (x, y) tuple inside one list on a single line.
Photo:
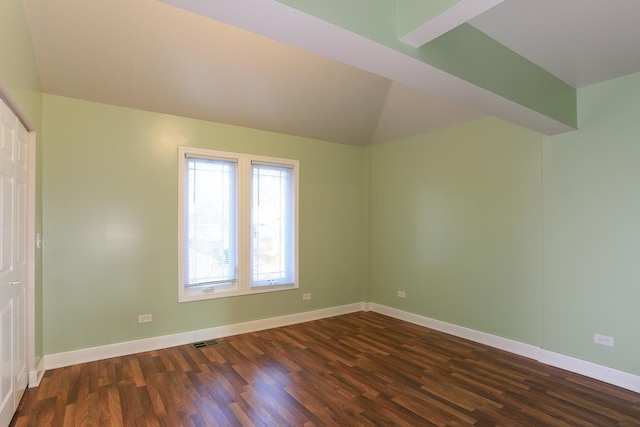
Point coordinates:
[(243, 220)]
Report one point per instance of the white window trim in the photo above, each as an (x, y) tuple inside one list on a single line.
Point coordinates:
[(244, 220)]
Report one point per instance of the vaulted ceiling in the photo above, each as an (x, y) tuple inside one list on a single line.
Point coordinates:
[(348, 71)]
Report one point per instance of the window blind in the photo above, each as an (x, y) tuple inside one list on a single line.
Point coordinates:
[(272, 225), (211, 211)]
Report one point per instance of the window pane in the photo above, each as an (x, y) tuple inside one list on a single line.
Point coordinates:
[(210, 222), (272, 225)]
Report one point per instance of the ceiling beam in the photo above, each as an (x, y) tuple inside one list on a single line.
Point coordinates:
[(463, 66), (420, 22)]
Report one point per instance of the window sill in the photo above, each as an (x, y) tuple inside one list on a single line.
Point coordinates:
[(190, 295)]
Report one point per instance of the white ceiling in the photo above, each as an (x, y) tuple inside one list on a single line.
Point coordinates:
[(581, 42), (149, 55)]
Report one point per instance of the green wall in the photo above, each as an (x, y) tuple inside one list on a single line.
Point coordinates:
[(110, 214), (592, 228), (485, 225), (494, 227), (456, 223), (19, 75), (18, 70)]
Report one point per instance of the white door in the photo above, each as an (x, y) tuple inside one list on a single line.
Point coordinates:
[(13, 262)]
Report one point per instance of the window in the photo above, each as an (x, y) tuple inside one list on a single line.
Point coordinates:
[(237, 224)]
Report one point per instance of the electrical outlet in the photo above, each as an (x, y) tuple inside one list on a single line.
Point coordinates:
[(603, 340), (306, 297), (401, 294), (145, 318)]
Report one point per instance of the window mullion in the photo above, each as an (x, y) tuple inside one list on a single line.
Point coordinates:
[(244, 223)]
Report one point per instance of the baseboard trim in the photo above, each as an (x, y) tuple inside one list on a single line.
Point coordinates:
[(592, 370), (516, 347), (588, 369), (36, 376), (74, 357)]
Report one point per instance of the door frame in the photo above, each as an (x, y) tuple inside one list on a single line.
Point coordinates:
[(35, 368)]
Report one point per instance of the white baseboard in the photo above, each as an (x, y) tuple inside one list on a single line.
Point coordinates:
[(588, 369), (36, 376), (516, 347), (592, 370), (74, 357), (609, 375)]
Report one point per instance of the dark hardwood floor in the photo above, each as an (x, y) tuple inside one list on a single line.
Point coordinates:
[(356, 369)]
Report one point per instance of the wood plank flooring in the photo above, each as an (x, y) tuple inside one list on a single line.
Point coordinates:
[(357, 369)]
